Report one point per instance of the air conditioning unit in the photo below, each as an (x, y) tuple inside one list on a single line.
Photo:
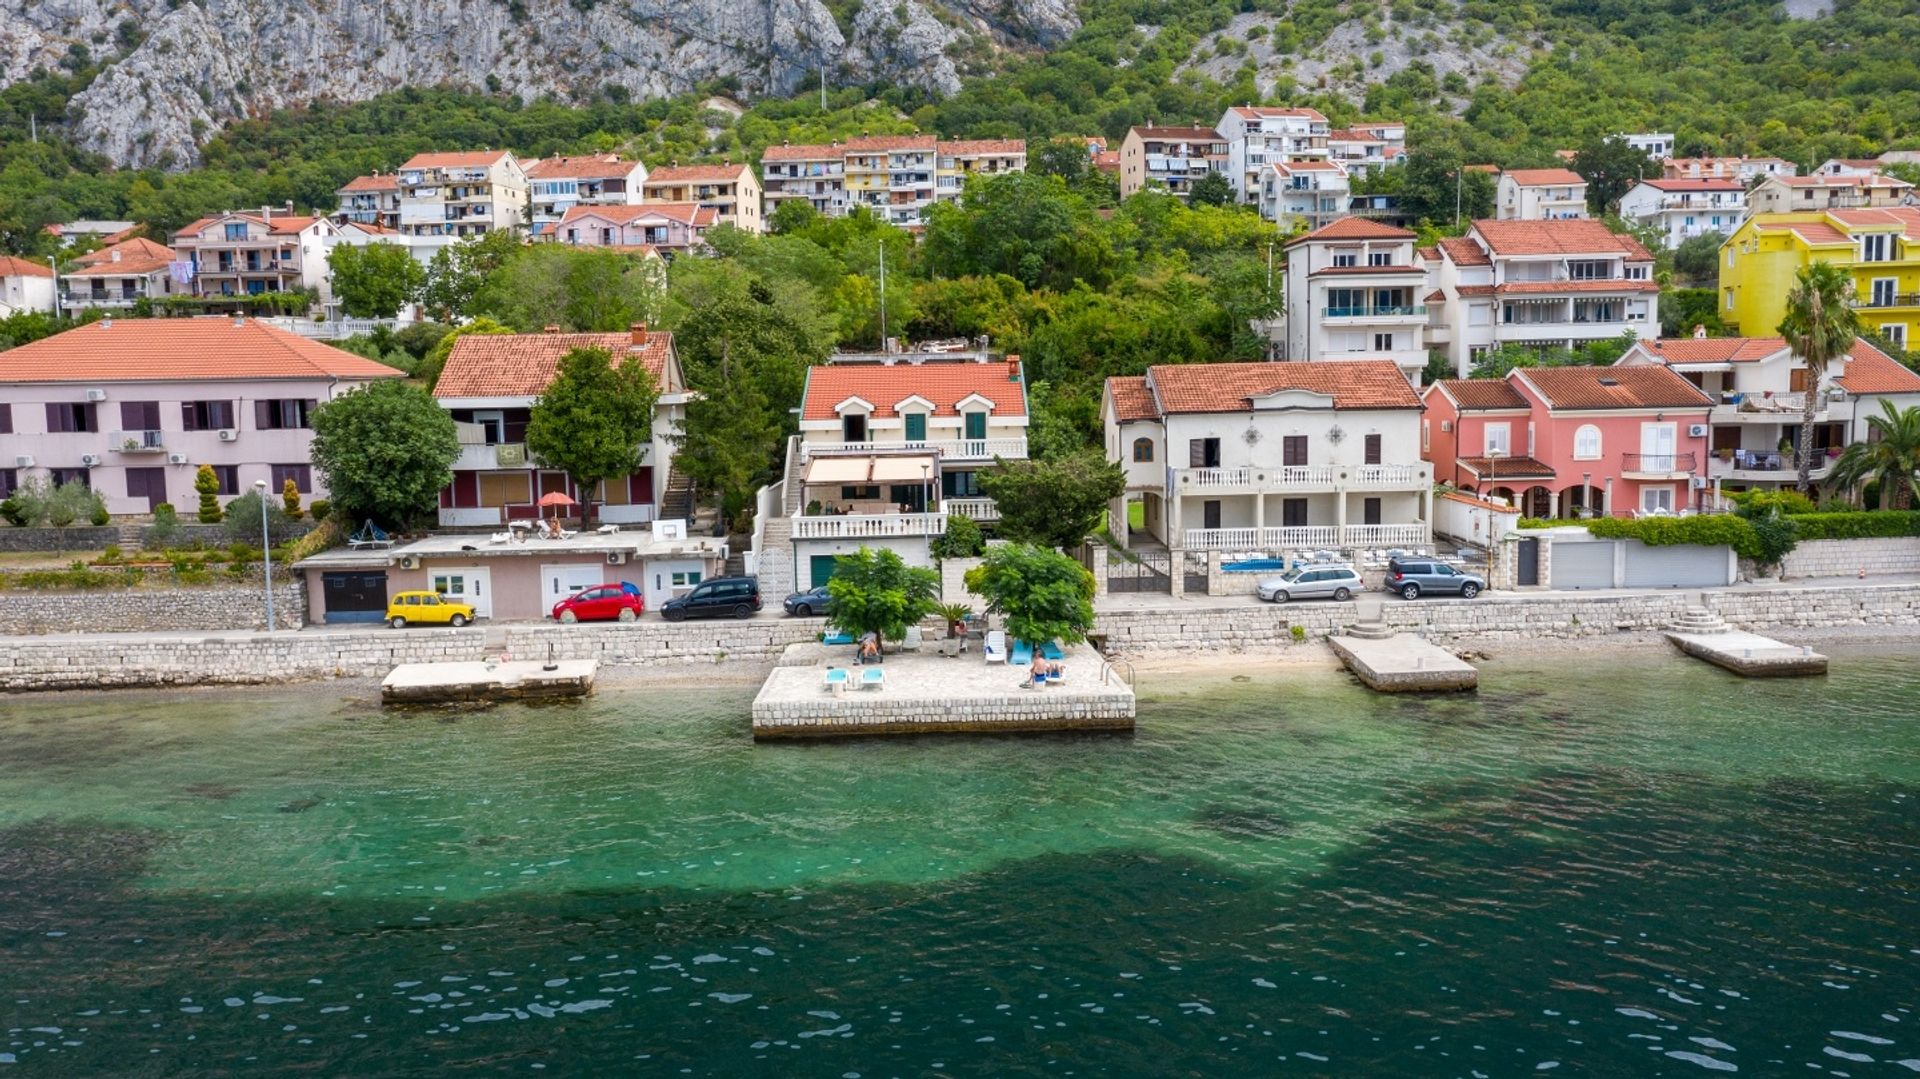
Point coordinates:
[(96, 396), (90, 459), (176, 458), (25, 460), (616, 558), (1696, 430), (228, 434), (409, 561), (1700, 483)]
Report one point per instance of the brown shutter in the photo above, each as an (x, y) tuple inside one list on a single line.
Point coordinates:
[(1373, 451)]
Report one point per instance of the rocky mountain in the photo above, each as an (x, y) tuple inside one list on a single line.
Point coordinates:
[(185, 67)]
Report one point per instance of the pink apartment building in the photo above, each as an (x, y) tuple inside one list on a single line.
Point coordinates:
[(1565, 442), (661, 226)]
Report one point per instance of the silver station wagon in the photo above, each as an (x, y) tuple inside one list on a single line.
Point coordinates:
[(1311, 582)]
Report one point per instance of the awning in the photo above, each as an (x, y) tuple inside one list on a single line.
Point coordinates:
[(841, 470), (902, 469)]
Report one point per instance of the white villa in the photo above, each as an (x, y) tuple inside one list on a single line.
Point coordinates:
[(1356, 292), (1683, 209)]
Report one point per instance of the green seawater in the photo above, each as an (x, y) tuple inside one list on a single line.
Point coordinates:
[(1601, 864)]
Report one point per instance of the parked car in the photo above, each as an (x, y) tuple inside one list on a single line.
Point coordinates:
[(602, 602), (1312, 582), (735, 597), (427, 608), (806, 604), (1414, 577)]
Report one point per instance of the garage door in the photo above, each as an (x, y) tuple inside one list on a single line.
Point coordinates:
[(1676, 566), (1581, 565), (559, 582), (354, 597), (822, 569)]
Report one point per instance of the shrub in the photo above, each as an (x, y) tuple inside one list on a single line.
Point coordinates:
[(111, 554), (320, 508), (1753, 503), (14, 513), (243, 519), (71, 502), (963, 539), (100, 516), (1708, 530), (1298, 633), (165, 531), (290, 498), (208, 485), (1860, 524), (1539, 522)]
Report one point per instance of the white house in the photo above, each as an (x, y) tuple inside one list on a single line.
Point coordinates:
[(1272, 456), (117, 277), (1363, 148), (1655, 144), (1540, 195), (1537, 284), (462, 194), (1355, 291), (1257, 137), (25, 285), (1311, 191), (557, 184), (1683, 209)]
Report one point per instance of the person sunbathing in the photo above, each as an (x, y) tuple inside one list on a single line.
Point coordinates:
[(870, 648)]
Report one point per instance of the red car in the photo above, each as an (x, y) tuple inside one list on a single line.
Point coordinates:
[(601, 603)]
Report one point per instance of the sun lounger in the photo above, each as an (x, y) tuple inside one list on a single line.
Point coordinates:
[(912, 641), (873, 678), (994, 649), (1052, 651), (836, 681), (1022, 654), (837, 638)]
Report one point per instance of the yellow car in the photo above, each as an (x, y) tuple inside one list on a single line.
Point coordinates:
[(428, 608)]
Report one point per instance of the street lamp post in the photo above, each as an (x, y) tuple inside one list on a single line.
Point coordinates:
[(266, 549)]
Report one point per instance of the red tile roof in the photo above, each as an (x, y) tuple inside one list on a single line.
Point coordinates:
[(1545, 177), (1177, 134), (1714, 349), (523, 364), (278, 225), (1428, 252), (687, 213), (886, 385), (372, 183), (1259, 112), (1512, 288), (1576, 236), (960, 147), (1824, 180), (459, 159), (1869, 370), (138, 246), (1905, 217), (1226, 387), (1508, 468), (181, 350), (1813, 232), (19, 267), (1107, 161), (1464, 252), (1132, 400), (886, 144), (1696, 185), (589, 167), (1600, 388), (130, 266), (1474, 290), (697, 174), (812, 152), (1482, 394)]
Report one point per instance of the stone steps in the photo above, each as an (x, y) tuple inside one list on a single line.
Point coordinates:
[(1370, 631), (1699, 620)]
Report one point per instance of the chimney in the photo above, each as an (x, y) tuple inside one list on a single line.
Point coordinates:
[(106, 323), (114, 255), (1700, 331), (551, 327), (638, 333), (239, 321), (1013, 367)]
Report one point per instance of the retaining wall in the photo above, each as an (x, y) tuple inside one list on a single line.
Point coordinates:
[(1846, 558), (101, 662), (84, 538), (211, 607)]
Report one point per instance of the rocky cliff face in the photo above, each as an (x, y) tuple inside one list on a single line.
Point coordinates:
[(204, 62)]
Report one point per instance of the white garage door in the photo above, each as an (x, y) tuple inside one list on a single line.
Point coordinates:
[(1582, 565), (1675, 566), (559, 582)]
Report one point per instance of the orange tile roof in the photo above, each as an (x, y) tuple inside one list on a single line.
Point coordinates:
[(1714, 349), (983, 146), (687, 213), (1474, 290), (684, 174), (1226, 387), (1513, 288), (181, 350), (19, 267), (1132, 400), (1823, 180), (284, 225), (1481, 394), (523, 364), (1464, 252), (1696, 185), (1545, 177), (459, 159), (375, 182), (1260, 112), (1599, 388), (1107, 161), (1576, 236), (1869, 370), (131, 266), (369, 227), (882, 144), (885, 385), (1178, 134), (810, 152), (1813, 232), (1905, 217), (1427, 252), (588, 167), (136, 247), (1508, 468)]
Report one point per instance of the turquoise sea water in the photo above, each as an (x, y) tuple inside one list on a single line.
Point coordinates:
[(1599, 865)]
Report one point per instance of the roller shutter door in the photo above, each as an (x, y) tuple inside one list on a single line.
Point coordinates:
[(1581, 565), (1677, 566)]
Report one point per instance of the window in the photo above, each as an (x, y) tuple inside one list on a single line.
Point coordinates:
[(1876, 247), (1370, 511), (1499, 439), (960, 485), (9, 481), (1729, 295), (1588, 269), (861, 493), (228, 477), (1203, 453), (1348, 259), (1383, 342), (1380, 258), (505, 489), (853, 427), (976, 425), (6, 418), (301, 475), (1293, 450), (916, 426), (236, 230), (1880, 292), (493, 424), (286, 414), (69, 417), (139, 415), (1372, 450), (206, 415), (1143, 450), (1895, 333), (1586, 443), (1426, 435), (1656, 498), (59, 476), (685, 578)]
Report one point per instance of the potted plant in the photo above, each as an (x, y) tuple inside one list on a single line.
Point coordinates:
[(955, 615), (1724, 453)]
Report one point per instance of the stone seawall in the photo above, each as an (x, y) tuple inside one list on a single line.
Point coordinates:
[(213, 608), (1845, 558), (658, 644)]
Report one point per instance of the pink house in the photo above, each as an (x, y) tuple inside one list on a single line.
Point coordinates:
[(659, 226), (1572, 441)]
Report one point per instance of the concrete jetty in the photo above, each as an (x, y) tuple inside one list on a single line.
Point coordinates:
[(1400, 663), (488, 680), (1701, 633), (925, 693)]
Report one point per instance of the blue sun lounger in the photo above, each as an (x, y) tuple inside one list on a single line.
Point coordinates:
[(1022, 655), (836, 681), (1053, 652), (837, 638), (872, 678)]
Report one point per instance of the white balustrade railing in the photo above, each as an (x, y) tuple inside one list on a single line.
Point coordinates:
[(979, 509), (1387, 476), (1308, 536), (1386, 535), (953, 449), (869, 525)]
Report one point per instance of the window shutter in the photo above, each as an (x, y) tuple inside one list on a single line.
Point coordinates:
[(1196, 453), (1373, 453), (186, 417), (56, 418), (263, 415)]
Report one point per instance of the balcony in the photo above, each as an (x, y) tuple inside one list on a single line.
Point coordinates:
[(1765, 466), (1656, 466), (1386, 311), (1255, 480), (1889, 299), (858, 526), (960, 449), (482, 457), (1778, 408), (1307, 537), (138, 442), (1389, 477), (978, 509)]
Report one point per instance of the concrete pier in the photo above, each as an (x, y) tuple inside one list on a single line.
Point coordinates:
[(489, 680), (926, 693), (1700, 633), (1399, 663)]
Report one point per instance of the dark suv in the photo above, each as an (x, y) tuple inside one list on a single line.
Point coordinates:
[(1416, 577), (722, 597)]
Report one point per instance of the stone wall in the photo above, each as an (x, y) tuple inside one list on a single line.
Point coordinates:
[(1846, 558), (86, 538), (249, 659), (211, 607), (651, 643)]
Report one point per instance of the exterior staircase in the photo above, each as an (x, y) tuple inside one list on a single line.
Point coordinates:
[(676, 503), (133, 535), (1370, 631), (791, 489), (1699, 620), (776, 559)]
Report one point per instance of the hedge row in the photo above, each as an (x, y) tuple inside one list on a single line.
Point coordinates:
[(1877, 524), (1764, 539), (1707, 530)]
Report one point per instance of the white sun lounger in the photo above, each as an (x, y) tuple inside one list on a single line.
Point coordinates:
[(994, 648)]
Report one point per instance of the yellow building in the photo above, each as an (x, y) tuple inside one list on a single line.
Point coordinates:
[(1880, 247)]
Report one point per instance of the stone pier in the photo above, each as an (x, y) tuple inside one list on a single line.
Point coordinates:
[(1400, 663), (1699, 633), (487, 680)]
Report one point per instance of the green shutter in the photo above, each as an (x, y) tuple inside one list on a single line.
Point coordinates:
[(916, 427), (976, 425), (822, 567)]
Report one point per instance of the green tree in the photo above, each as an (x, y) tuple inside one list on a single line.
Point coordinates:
[(375, 280), (243, 520), (792, 216), (457, 272), (1820, 325), (876, 592), (386, 450), (1611, 167), (1697, 260), (1063, 156), (1213, 189), (1055, 503), (429, 368), (208, 485), (962, 539), (1043, 594), (1888, 460), (594, 420), (583, 289)]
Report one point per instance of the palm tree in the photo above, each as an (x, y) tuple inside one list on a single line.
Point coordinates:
[(1819, 326), (1890, 457)]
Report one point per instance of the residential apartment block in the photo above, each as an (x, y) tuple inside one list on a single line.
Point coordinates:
[(466, 193), (897, 177), (1171, 158), (246, 254), (1540, 195), (1683, 209), (892, 175), (1313, 192), (1744, 169), (1879, 247), (731, 192), (134, 407), (1365, 148), (117, 277), (665, 227), (1355, 291), (1801, 194), (1538, 284), (25, 285), (816, 173), (370, 200), (1259, 137), (558, 184), (1655, 144), (1271, 457)]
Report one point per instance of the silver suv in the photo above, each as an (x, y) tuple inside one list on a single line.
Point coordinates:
[(1416, 577), (1312, 582)]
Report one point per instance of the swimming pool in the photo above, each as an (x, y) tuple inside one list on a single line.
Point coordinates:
[(1256, 565)]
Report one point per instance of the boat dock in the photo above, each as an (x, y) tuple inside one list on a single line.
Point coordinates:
[(1702, 633), (925, 693), (1401, 663), (489, 680)]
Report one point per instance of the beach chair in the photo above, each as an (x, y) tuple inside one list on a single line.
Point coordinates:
[(913, 640), (836, 681), (839, 637), (994, 648), (1022, 654), (499, 538), (873, 678), (1052, 652), (369, 535)]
